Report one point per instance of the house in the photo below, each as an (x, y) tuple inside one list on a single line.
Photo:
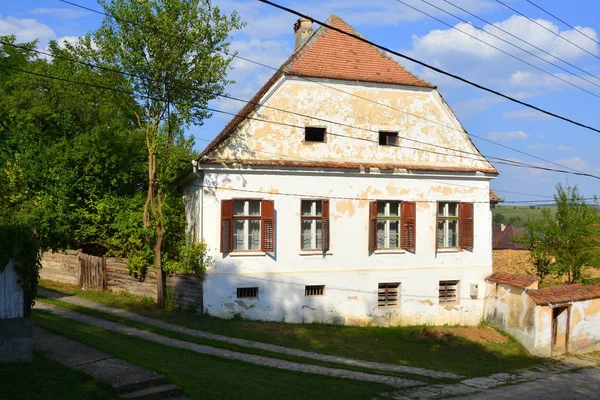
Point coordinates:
[(503, 237), (548, 322), (344, 192)]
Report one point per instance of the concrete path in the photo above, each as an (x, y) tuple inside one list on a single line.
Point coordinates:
[(243, 342), (131, 381), (213, 351)]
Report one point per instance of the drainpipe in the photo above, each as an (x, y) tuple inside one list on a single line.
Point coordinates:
[(200, 174)]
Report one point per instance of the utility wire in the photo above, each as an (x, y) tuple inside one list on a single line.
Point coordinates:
[(439, 70), (503, 51), (564, 22), (518, 38), (549, 30), (350, 94)]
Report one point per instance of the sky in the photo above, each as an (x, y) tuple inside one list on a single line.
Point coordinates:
[(570, 87)]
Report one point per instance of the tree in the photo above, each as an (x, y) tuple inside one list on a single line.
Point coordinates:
[(569, 241), (498, 219), (172, 54)]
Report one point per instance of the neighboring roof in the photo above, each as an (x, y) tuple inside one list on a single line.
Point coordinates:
[(331, 54), (521, 281), (494, 198), (564, 294), (502, 239), (346, 165)]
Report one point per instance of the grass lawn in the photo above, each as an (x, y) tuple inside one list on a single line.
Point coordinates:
[(206, 377), (395, 345), (44, 379), (524, 212)]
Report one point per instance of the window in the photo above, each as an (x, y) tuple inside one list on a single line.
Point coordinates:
[(392, 225), (314, 290), (448, 291), (247, 225), (387, 138), (247, 292), (314, 220), (455, 225), (314, 134), (388, 294)]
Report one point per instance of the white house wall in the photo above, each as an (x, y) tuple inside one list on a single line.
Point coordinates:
[(349, 271)]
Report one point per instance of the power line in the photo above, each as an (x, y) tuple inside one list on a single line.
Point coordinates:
[(549, 30), (502, 51), (520, 39), (348, 93), (564, 22), (438, 70)]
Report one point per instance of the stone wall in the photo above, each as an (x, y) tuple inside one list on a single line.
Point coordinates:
[(512, 262), (64, 267)]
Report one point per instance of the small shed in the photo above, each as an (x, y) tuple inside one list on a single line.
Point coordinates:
[(549, 321), (16, 325)]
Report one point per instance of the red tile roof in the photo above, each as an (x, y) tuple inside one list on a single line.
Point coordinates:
[(521, 281), (331, 54), (503, 239), (564, 294), (494, 197)]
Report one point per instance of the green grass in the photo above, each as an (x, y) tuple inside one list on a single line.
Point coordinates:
[(394, 345), (44, 379), (524, 212), (206, 377), (230, 346)]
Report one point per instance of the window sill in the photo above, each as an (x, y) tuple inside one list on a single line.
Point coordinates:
[(315, 253), (247, 253), (389, 251), (449, 250)]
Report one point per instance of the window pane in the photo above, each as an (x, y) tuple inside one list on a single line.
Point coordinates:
[(306, 207), (238, 235), (254, 235), (441, 234), (452, 234), (394, 234), (238, 207), (318, 208), (453, 209), (306, 234), (319, 238), (394, 209), (381, 208), (254, 207), (381, 234)]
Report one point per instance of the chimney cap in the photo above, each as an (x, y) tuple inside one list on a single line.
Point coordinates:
[(302, 30)]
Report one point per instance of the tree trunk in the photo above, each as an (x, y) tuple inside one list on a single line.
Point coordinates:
[(160, 284)]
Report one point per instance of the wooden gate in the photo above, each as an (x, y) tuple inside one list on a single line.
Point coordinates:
[(92, 271)]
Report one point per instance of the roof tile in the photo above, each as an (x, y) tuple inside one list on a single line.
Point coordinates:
[(521, 281), (564, 294)]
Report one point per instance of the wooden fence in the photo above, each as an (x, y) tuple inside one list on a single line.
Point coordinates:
[(111, 273)]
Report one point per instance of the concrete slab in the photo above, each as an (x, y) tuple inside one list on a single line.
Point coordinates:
[(42, 336), (121, 375), (70, 352)]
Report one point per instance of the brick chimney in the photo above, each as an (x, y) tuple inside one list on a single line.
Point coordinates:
[(302, 31)]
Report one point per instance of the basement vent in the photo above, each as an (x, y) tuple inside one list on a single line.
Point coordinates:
[(388, 294), (313, 134), (387, 138), (314, 290), (448, 291), (247, 292)]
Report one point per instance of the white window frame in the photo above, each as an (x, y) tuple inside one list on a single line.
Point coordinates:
[(313, 217), (446, 219), (246, 217), (387, 218)]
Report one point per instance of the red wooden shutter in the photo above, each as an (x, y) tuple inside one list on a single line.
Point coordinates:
[(373, 226), (267, 217), (466, 225), (325, 224), (409, 225), (226, 226)]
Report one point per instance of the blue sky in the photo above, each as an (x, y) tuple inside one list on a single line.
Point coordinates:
[(268, 38)]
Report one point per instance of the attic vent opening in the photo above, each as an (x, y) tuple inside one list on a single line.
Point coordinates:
[(247, 292), (314, 290), (388, 138), (314, 134)]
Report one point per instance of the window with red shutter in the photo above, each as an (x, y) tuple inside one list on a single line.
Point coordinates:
[(314, 225), (447, 225), (325, 225), (373, 226), (268, 226), (466, 225), (409, 225), (226, 226)]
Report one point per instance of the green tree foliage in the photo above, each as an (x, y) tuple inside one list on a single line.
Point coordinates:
[(498, 219), (569, 241), (170, 51)]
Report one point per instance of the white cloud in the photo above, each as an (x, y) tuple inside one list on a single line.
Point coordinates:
[(66, 13), (26, 30), (525, 114), (513, 135), (575, 163)]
